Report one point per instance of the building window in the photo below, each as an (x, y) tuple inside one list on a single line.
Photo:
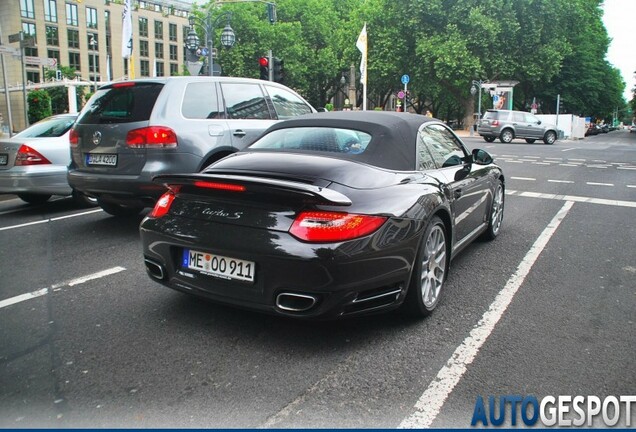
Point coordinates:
[(52, 36), (107, 20), (54, 54), (144, 67), (185, 32), (126, 66), (71, 15), (172, 32), (143, 48), (158, 30), (91, 17), (27, 9), (173, 52), (29, 30), (159, 69), (33, 77), (30, 52), (159, 50), (143, 27), (108, 44), (92, 37), (174, 69), (50, 10), (74, 60), (93, 63), (73, 38)]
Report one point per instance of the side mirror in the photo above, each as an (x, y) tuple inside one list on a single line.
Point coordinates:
[(321, 109), (482, 157)]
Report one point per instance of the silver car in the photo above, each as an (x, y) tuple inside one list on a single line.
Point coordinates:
[(131, 131), (508, 125), (33, 164)]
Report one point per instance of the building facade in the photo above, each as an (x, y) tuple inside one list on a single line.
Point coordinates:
[(87, 36)]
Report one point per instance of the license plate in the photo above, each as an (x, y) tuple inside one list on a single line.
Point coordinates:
[(3, 159), (218, 265), (101, 159)]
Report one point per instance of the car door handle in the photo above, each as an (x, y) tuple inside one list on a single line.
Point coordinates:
[(239, 133)]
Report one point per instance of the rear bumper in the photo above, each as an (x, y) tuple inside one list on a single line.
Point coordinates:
[(360, 276), (45, 180)]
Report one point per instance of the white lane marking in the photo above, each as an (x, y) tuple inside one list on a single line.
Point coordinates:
[(576, 160), (513, 161), (599, 184), (552, 158), (532, 157), (631, 186), (50, 220), (569, 165), (541, 163), (626, 167), (568, 149), (430, 403), (617, 203), (527, 160), (524, 178), (72, 282), (599, 161), (598, 166), (560, 181)]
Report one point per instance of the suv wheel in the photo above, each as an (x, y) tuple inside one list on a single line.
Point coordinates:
[(489, 138), (506, 136), (118, 209), (550, 137)]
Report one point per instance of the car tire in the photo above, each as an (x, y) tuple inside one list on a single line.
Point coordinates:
[(489, 138), (530, 140), (549, 137), (495, 216), (34, 198), (118, 209), (429, 271), (83, 200), (506, 136)]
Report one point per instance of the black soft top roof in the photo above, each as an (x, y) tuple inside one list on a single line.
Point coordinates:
[(393, 135)]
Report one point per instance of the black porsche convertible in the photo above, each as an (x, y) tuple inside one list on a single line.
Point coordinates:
[(327, 215)]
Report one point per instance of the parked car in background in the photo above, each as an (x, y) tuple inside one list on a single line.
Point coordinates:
[(632, 128), (33, 163), (327, 215), (508, 125), (130, 131), (593, 129)]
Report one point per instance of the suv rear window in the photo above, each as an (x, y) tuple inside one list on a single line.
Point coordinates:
[(491, 115), (123, 103)]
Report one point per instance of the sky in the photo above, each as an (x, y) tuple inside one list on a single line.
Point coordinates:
[(620, 19)]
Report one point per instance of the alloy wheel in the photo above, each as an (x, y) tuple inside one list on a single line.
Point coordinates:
[(433, 266)]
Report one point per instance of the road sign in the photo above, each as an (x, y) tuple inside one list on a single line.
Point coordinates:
[(8, 50), (405, 79), (14, 37), (48, 62), (401, 94), (28, 41)]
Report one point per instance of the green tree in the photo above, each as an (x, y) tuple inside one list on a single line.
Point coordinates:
[(59, 95), (39, 105)]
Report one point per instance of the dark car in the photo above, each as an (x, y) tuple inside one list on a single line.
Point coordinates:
[(327, 215)]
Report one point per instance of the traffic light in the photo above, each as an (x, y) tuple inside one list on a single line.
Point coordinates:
[(58, 75), (279, 70), (264, 65)]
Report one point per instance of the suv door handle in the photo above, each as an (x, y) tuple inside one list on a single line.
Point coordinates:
[(239, 133)]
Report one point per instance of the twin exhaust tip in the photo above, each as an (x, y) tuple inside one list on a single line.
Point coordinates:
[(292, 302), (154, 269)]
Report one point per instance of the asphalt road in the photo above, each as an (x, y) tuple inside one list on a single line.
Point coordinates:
[(548, 308)]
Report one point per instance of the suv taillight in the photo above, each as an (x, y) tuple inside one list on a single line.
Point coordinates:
[(28, 156), (73, 138), (494, 123), (152, 137)]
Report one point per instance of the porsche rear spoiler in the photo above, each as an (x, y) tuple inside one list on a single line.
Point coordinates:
[(256, 184)]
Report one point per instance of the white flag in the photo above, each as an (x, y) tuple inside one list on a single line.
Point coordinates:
[(126, 30), (361, 44)]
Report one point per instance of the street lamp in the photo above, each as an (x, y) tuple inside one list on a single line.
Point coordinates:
[(228, 38), (93, 44)]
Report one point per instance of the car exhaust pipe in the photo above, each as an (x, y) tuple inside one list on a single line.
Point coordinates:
[(291, 302), (154, 269)]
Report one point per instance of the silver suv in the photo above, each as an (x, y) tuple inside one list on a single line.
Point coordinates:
[(131, 131), (508, 125)]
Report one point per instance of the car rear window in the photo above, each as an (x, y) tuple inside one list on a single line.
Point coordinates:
[(125, 103), (51, 127), (320, 139), (491, 115)]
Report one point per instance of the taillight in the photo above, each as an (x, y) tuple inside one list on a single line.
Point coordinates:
[(323, 226), (73, 138), (28, 156), (494, 123), (220, 186), (152, 137), (162, 207)]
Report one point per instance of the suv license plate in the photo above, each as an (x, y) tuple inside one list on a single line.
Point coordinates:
[(218, 265), (101, 159), (4, 159)]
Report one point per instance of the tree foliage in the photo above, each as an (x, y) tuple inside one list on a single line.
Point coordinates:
[(39, 105)]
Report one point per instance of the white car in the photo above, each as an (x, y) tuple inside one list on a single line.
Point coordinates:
[(34, 163)]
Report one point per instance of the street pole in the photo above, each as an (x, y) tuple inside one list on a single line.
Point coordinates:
[(270, 62), (24, 94), (6, 91), (209, 34)]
